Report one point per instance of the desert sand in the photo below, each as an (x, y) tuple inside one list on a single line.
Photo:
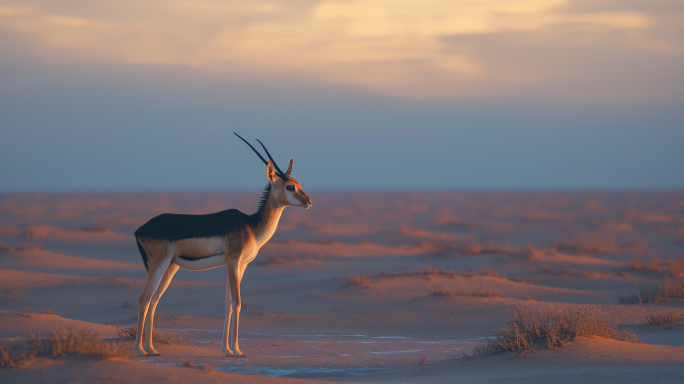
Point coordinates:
[(352, 289)]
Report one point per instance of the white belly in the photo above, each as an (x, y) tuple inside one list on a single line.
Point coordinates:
[(201, 264)]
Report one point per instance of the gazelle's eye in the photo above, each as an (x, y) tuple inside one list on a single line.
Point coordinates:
[(290, 187)]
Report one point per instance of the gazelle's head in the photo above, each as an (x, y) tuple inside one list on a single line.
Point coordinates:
[(285, 189)]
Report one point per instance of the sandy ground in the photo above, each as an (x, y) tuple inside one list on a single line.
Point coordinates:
[(344, 291)]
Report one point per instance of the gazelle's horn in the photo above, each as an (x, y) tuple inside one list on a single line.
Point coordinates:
[(280, 173), (289, 169), (253, 149)]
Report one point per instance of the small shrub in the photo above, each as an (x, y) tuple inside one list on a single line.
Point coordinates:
[(654, 294), (556, 325), (488, 273), (129, 333), (355, 281), (62, 343), (441, 291), (665, 318), (6, 358), (654, 264), (84, 342), (28, 312)]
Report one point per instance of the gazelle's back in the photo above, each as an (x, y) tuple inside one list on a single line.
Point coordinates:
[(173, 227)]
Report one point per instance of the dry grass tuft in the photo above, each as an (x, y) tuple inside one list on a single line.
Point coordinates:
[(567, 271), (653, 264), (668, 317), (29, 313), (671, 289), (557, 326), (439, 249), (667, 268), (6, 357), (678, 267), (480, 292), (9, 289), (356, 281), (426, 273), (22, 247), (129, 333), (84, 342), (488, 273), (530, 253), (62, 343)]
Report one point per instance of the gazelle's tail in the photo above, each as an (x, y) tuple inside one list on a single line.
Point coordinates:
[(143, 254)]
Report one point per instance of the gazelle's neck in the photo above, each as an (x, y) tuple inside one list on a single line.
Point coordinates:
[(267, 217)]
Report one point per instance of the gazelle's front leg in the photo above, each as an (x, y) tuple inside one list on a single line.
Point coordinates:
[(226, 322), (234, 277)]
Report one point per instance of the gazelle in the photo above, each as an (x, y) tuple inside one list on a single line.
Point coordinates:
[(199, 242)]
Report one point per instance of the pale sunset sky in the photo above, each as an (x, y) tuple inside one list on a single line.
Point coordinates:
[(363, 94)]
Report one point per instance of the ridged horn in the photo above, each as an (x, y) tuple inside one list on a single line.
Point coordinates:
[(278, 171)]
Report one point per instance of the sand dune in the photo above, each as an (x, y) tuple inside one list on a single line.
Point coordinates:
[(20, 324), (360, 283), (43, 259)]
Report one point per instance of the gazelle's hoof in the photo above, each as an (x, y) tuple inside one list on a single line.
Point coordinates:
[(152, 352)]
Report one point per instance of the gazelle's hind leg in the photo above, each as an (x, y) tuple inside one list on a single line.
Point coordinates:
[(149, 319), (159, 263)]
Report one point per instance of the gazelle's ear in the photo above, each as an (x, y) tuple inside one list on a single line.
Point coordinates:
[(271, 173), (289, 169)]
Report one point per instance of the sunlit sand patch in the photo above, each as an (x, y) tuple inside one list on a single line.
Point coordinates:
[(550, 255), (22, 279), (85, 235), (37, 258)]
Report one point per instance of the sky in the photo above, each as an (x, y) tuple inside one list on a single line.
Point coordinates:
[(362, 94)]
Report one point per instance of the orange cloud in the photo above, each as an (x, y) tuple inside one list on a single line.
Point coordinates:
[(388, 46)]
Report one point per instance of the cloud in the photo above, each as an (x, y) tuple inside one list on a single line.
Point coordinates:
[(412, 48)]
